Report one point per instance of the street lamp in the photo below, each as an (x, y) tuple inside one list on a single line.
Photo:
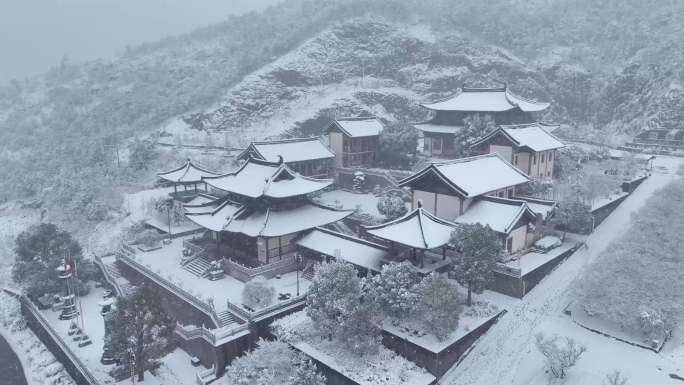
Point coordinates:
[(298, 260)]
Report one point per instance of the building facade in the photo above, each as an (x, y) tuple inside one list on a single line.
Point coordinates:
[(355, 141)]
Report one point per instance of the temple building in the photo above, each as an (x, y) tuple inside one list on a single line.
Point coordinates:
[(355, 141), (479, 189), (308, 156), (187, 175), (417, 236), (530, 147), (263, 209), (500, 104)]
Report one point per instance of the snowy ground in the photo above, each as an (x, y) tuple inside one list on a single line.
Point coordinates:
[(341, 199), (165, 262), (484, 308), (40, 366), (506, 354), (383, 368)]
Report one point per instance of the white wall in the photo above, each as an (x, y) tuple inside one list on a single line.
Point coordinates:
[(336, 143), (519, 236), (506, 152), (448, 206)]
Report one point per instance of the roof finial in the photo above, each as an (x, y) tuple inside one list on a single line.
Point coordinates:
[(419, 203), (280, 159)]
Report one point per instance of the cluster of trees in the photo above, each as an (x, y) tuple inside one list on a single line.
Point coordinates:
[(273, 362), (39, 251), (351, 309), (392, 206)]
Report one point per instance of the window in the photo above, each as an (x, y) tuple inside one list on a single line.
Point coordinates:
[(542, 158), (509, 244), (500, 194), (550, 156), (534, 159), (515, 160)]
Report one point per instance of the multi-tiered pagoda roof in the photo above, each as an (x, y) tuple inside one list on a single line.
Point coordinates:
[(486, 100)]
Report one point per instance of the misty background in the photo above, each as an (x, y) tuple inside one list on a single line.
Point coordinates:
[(36, 34)]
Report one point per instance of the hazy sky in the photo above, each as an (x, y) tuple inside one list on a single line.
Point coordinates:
[(36, 34)]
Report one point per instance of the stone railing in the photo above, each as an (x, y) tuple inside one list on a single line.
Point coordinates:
[(245, 273), (260, 313), (205, 376), (105, 273), (172, 287), (77, 364), (213, 336)]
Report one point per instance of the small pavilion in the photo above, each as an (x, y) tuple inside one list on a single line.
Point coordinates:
[(414, 235), (187, 175)]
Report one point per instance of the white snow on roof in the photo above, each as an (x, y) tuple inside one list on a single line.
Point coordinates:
[(350, 249), (437, 128), (534, 137), (485, 100), (213, 217), (501, 217), (187, 173), (358, 127), (256, 179), (418, 229), (271, 223), (295, 150), (477, 175)]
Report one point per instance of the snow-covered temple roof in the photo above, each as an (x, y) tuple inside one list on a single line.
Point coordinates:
[(541, 207), (533, 136), (485, 100), (187, 173), (236, 218), (292, 150), (500, 214), (358, 127), (258, 178), (472, 176), (437, 128), (357, 251), (418, 229)]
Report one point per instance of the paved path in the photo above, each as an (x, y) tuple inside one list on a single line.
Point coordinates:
[(502, 355)]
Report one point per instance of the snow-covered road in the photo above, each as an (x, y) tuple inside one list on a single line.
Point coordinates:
[(506, 353)]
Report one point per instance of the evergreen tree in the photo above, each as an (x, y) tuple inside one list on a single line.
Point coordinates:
[(392, 206), (393, 292), (475, 126), (258, 293), (141, 331), (398, 145), (305, 373), (573, 215), (334, 293), (39, 251), (479, 250), (438, 306), (358, 330)]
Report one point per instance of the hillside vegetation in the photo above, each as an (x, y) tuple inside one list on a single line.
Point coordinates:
[(69, 136)]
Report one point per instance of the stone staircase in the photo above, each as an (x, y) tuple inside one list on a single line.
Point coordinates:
[(227, 318), (112, 270), (198, 266)]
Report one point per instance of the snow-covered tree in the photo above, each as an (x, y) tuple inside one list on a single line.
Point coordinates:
[(305, 373), (561, 355), (393, 291), (479, 249), (573, 215), (438, 305), (334, 294), (475, 126), (392, 206), (141, 332), (358, 330), (258, 293), (398, 145), (39, 251), (272, 362)]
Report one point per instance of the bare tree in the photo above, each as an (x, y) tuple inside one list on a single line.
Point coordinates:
[(561, 355)]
